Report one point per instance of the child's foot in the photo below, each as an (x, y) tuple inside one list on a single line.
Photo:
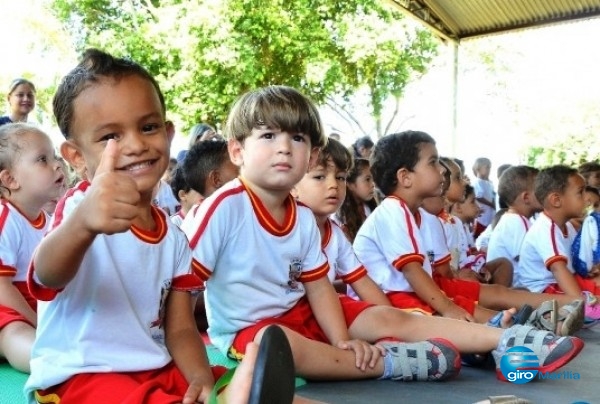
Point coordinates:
[(510, 317), (553, 352), (571, 318), (435, 359), (545, 317)]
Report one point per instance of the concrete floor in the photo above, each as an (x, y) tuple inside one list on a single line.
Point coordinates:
[(473, 385)]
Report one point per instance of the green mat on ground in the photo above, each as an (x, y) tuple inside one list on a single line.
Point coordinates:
[(12, 382), (11, 385)]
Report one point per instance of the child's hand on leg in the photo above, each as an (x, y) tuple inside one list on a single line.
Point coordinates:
[(366, 354)]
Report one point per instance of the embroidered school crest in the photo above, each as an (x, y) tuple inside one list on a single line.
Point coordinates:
[(295, 270), (164, 292)]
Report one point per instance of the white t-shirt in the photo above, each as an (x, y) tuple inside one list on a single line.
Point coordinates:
[(483, 240), (457, 244), (18, 239), (388, 240), (485, 189), (165, 199), (507, 238), (543, 245), (177, 218), (254, 267), (434, 239), (343, 263), (109, 317)]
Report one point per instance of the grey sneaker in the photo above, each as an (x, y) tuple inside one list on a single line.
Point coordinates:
[(552, 351), (435, 359)]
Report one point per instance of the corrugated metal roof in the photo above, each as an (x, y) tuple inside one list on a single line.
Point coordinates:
[(461, 19)]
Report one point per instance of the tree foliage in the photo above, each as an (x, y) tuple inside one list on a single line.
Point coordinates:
[(206, 53)]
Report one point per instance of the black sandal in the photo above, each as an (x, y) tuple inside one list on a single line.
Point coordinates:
[(274, 376)]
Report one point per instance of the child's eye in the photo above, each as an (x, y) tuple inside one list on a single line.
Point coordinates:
[(151, 127), (267, 135), (107, 137), (42, 159), (341, 178), (319, 177), (298, 138)]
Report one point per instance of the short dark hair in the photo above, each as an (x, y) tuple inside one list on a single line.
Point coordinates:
[(277, 107), (94, 65), (501, 168), (552, 179), (200, 160), (515, 180), (592, 190), (364, 141), (178, 182), (393, 152), (588, 168), (335, 151)]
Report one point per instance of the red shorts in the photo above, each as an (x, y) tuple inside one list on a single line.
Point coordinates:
[(159, 386), (479, 228), (300, 319), (409, 301), (584, 284), (463, 293), (8, 315)]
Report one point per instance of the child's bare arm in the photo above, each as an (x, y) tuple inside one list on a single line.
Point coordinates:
[(424, 286), (326, 308), (368, 291), (109, 207), (444, 270), (186, 347), (565, 279), (11, 297)]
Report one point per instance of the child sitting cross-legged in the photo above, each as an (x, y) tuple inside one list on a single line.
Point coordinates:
[(323, 189)]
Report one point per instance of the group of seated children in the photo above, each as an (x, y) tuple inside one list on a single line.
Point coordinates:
[(114, 308)]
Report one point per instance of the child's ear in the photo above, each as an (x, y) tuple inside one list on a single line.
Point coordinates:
[(213, 180), (235, 148), (71, 153), (170, 126), (555, 200), (8, 181), (404, 178)]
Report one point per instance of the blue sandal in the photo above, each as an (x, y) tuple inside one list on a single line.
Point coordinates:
[(519, 318)]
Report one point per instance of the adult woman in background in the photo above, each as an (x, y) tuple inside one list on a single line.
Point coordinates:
[(21, 101)]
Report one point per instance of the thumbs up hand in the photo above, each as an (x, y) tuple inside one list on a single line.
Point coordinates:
[(111, 203)]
